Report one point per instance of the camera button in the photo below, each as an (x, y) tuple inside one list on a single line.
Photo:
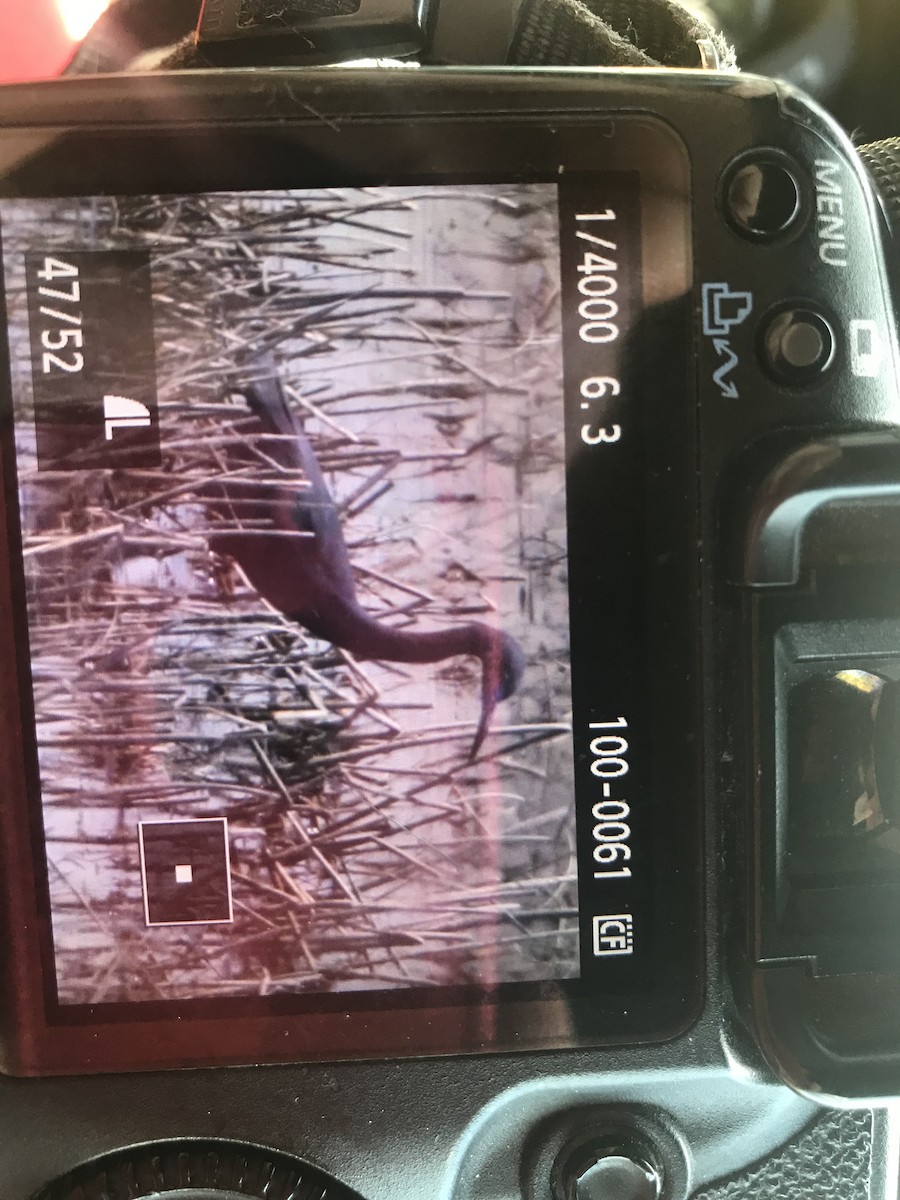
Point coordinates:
[(761, 195), (797, 344), (617, 1177)]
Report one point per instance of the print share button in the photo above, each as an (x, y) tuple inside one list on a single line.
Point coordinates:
[(186, 871)]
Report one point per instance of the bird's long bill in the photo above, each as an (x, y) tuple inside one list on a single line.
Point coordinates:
[(489, 692)]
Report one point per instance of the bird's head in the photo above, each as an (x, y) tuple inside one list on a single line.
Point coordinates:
[(512, 667), (503, 663)]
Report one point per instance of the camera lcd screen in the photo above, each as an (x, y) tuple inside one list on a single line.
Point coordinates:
[(292, 485), (331, 541)]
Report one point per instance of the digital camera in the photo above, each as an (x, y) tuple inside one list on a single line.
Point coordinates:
[(449, 616)]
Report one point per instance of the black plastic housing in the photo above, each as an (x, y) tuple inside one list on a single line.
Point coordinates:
[(632, 581), (475, 1126)]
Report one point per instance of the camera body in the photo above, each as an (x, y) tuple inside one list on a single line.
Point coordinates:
[(726, 357)]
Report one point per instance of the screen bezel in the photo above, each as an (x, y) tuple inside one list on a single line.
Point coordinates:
[(42, 1036)]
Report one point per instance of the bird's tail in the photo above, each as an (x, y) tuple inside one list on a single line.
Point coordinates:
[(261, 386), (266, 399)]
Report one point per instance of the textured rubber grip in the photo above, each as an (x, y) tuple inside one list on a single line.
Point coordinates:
[(883, 161), (830, 1160)]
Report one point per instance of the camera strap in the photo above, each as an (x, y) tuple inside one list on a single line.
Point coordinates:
[(174, 34), (624, 33)]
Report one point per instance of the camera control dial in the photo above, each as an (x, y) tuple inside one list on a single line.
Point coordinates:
[(883, 161), (193, 1169)]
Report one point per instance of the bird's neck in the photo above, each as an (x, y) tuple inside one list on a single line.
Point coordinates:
[(349, 626)]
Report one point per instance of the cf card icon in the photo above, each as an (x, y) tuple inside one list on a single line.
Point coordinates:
[(613, 936), (119, 412)]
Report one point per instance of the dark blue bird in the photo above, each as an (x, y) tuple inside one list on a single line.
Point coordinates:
[(310, 578)]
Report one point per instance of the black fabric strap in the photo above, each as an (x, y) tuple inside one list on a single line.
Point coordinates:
[(128, 29), (625, 33), (622, 33)]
